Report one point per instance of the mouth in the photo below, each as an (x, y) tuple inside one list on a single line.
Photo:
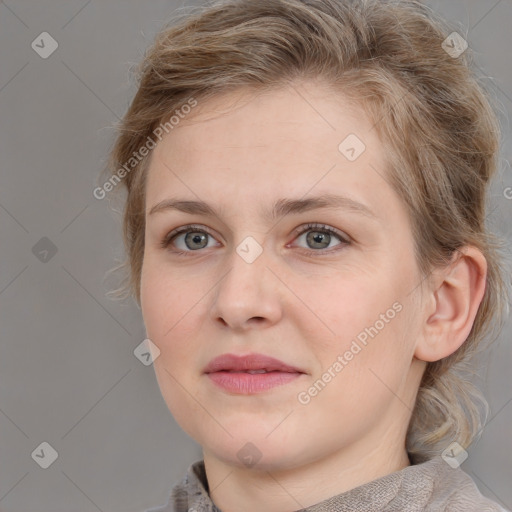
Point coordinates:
[(250, 374)]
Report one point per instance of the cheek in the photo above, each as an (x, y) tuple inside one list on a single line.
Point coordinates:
[(169, 317), (162, 302), (368, 322), (363, 373), (173, 307), (347, 305)]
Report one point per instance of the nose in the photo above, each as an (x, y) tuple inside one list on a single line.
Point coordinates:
[(249, 295)]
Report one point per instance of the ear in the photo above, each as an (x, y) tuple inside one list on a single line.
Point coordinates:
[(452, 304)]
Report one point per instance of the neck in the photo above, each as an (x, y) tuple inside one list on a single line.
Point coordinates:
[(233, 488)]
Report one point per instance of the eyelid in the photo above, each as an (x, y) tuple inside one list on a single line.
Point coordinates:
[(184, 229), (322, 227), (343, 237)]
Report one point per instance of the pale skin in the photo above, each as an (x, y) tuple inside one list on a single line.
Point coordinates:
[(304, 309)]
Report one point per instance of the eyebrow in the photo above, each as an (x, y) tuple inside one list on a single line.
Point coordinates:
[(280, 208)]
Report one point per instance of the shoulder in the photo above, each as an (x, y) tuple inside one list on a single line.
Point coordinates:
[(189, 494), (451, 489), (461, 494)]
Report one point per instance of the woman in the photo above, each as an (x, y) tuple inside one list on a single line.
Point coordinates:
[(304, 223)]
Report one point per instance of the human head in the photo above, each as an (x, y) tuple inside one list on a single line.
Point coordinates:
[(431, 115)]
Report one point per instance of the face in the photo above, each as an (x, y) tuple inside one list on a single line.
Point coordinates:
[(325, 287)]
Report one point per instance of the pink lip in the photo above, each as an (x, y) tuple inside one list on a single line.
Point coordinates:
[(229, 372)]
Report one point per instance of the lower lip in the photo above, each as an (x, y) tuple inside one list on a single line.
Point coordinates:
[(244, 383)]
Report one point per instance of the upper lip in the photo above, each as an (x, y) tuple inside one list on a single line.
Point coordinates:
[(233, 362)]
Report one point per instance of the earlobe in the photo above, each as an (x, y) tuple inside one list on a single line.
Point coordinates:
[(457, 293)]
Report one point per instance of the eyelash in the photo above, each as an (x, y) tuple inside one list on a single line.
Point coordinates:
[(166, 242)]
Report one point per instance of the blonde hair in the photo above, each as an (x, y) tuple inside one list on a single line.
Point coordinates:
[(434, 118)]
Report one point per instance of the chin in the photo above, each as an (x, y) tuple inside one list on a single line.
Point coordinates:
[(251, 448), (258, 456)]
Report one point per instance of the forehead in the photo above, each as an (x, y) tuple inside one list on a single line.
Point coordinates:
[(276, 117), (246, 146)]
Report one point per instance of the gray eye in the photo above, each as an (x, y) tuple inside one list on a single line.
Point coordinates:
[(318, 239), (196, 240)]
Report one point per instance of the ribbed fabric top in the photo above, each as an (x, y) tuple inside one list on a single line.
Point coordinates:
[(431, 486)]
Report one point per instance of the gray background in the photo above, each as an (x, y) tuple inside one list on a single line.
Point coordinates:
[(68, 375)]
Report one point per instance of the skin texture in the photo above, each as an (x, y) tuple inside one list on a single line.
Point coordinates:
[(240, 153)]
